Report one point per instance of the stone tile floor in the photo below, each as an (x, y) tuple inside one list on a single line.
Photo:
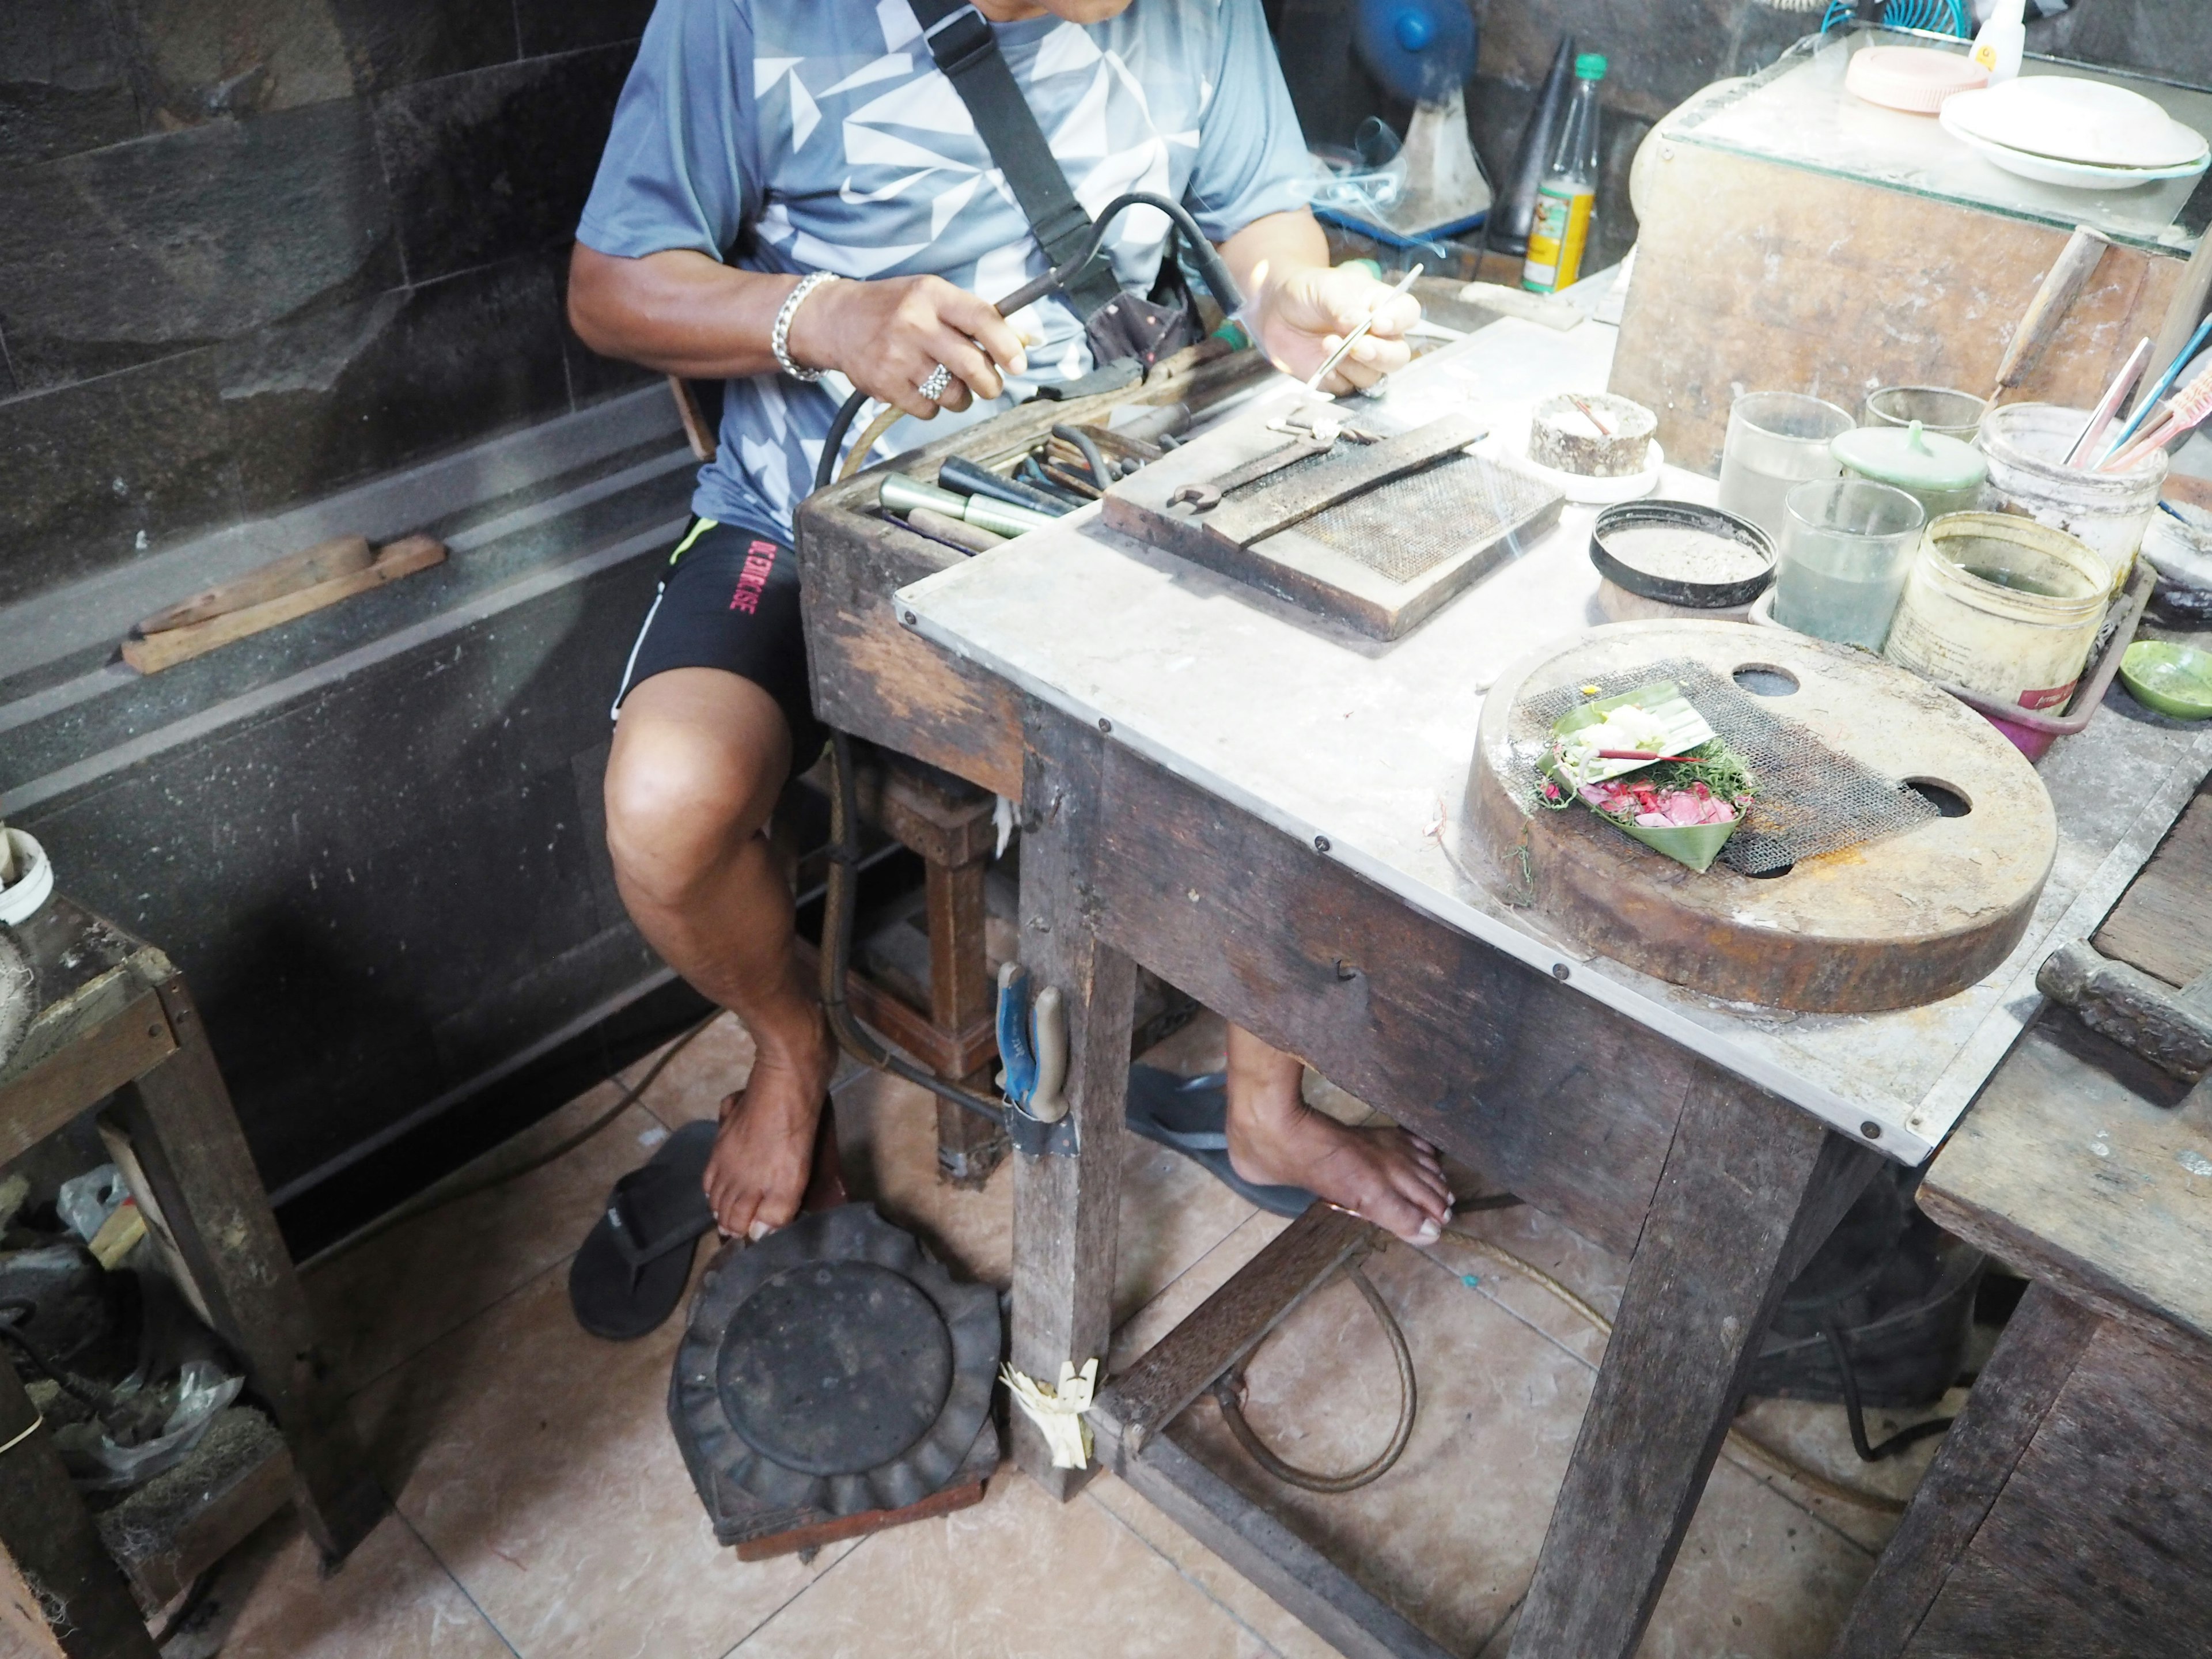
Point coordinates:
[(541, 1510)]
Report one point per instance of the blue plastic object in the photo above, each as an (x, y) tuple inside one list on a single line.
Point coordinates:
[(1417, 49), (1016, 1052), (1935, 16)]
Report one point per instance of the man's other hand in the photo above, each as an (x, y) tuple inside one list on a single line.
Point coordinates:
[(887, 336), (1304, 314)]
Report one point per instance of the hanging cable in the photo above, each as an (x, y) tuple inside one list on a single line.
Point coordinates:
[(1896, 1443), (1229, 1390)]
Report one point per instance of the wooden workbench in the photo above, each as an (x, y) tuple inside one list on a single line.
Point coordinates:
[(111, 1016), (2068, 1513), (1215, 787)]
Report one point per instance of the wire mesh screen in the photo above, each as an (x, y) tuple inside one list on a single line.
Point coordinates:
[(1406, 527), (1810, 799)]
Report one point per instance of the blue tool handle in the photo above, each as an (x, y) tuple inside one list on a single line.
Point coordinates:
[(1016, 1054)]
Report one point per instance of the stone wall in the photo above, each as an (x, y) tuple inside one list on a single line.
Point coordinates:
[(254, 250), (1661, 52)]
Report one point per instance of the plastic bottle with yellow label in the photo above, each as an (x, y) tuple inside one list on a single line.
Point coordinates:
[(1567, 200)]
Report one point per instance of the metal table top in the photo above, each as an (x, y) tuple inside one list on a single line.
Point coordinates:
[(1365, 748)]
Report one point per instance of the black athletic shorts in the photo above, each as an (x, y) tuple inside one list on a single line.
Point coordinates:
[(729, 599)]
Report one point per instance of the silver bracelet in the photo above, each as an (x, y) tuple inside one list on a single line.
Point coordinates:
[(779, 337)]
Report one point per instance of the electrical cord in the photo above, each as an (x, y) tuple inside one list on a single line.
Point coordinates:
[(1211, 270), (435, 1199), (1896, 1443), (96, 1400), (1228, 1394)]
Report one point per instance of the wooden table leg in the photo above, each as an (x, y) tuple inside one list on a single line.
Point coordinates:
[(962, 992), (186, 1138), (2016, 1390), (1066, 1207), (78, 1603), (1752, 1187)]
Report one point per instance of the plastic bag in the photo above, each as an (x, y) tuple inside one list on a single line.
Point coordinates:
[(97, 1463), (88, 1202)]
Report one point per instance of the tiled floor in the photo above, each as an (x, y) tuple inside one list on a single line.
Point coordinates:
[(541, 1511)]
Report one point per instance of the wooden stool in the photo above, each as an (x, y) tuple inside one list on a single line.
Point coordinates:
[(114, 1017)]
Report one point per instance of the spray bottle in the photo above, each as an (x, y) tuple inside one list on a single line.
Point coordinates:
[(1998, 46), (1569, 195)]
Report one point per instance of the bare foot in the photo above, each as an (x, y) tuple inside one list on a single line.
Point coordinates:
[(764, 1150), (1382, 1174)]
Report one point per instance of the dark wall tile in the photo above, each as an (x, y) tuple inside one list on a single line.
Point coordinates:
[(90, 468), (204, 60), (325, 400), (396, 43), (565, 25), (380, 889), (64, 81), (497, 162), (130, 253), (1660, 52)]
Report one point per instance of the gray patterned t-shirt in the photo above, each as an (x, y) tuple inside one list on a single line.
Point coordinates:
[(823, 128)]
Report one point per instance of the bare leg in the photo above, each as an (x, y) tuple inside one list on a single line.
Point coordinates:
[(1385, 1176), (699, 758)]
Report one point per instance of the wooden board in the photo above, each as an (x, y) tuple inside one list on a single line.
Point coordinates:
[(2073, 1167), (341, 556), (1895, 923), (2164, 925), (1752, 275)]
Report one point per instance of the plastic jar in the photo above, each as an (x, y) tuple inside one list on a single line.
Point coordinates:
[(2026, 445), (2000, 605)]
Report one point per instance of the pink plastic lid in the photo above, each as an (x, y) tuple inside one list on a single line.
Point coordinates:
[(1914, 79)]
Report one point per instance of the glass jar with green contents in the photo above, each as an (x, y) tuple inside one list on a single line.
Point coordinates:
[(1942, 474)]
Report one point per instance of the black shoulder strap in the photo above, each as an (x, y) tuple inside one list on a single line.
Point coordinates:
[(961, 41)]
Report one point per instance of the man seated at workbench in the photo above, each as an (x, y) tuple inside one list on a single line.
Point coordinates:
[(820, 140)]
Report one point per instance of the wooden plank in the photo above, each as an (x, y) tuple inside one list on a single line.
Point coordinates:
[(1505, 1067), (2073, 1167), (1066, 1209), (1311, 1588), (1232, 1322), (1752, 1187), (2164, 924), (2107, 1520), (49, 1538), (342, 556), (161, 651), (111, 1032), (74, 958), (1743, 283), (181, 1124), (962, 995), (2010, 1398), (225, 1515)]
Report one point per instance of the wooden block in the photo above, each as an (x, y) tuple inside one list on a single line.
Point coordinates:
[(2164, 924), (339, 558), (114, 1031), (166, 649)]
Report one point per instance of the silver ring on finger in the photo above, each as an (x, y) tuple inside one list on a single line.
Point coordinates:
[(934, 388)]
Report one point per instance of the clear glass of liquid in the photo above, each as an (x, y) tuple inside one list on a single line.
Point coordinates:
[(1846, 549), (1776, 441)]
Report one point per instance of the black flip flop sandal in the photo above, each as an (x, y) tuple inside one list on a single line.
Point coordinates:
[(634, 1263), (1191, 1115)]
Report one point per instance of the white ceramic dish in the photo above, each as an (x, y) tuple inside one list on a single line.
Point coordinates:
[(2068, 120), (2074, 175), (21, 898)]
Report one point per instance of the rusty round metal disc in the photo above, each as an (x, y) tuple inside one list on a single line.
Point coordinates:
[(1894, 922)]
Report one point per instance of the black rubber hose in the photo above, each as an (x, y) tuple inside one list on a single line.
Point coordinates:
[(839, 907), (1093, 457), (1229, 1384), (1211, 271), (1896, 1443)]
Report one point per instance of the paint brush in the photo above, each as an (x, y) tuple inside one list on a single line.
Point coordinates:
[(1357, 334), (2109, 404), (2190, 405), (2164, 385)]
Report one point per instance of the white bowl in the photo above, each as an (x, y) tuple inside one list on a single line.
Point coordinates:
[(2068, 120), (21, 898), (2074, 175)]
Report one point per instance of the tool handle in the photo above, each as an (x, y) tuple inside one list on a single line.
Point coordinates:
[(1048, 1101), (2069, 275)]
